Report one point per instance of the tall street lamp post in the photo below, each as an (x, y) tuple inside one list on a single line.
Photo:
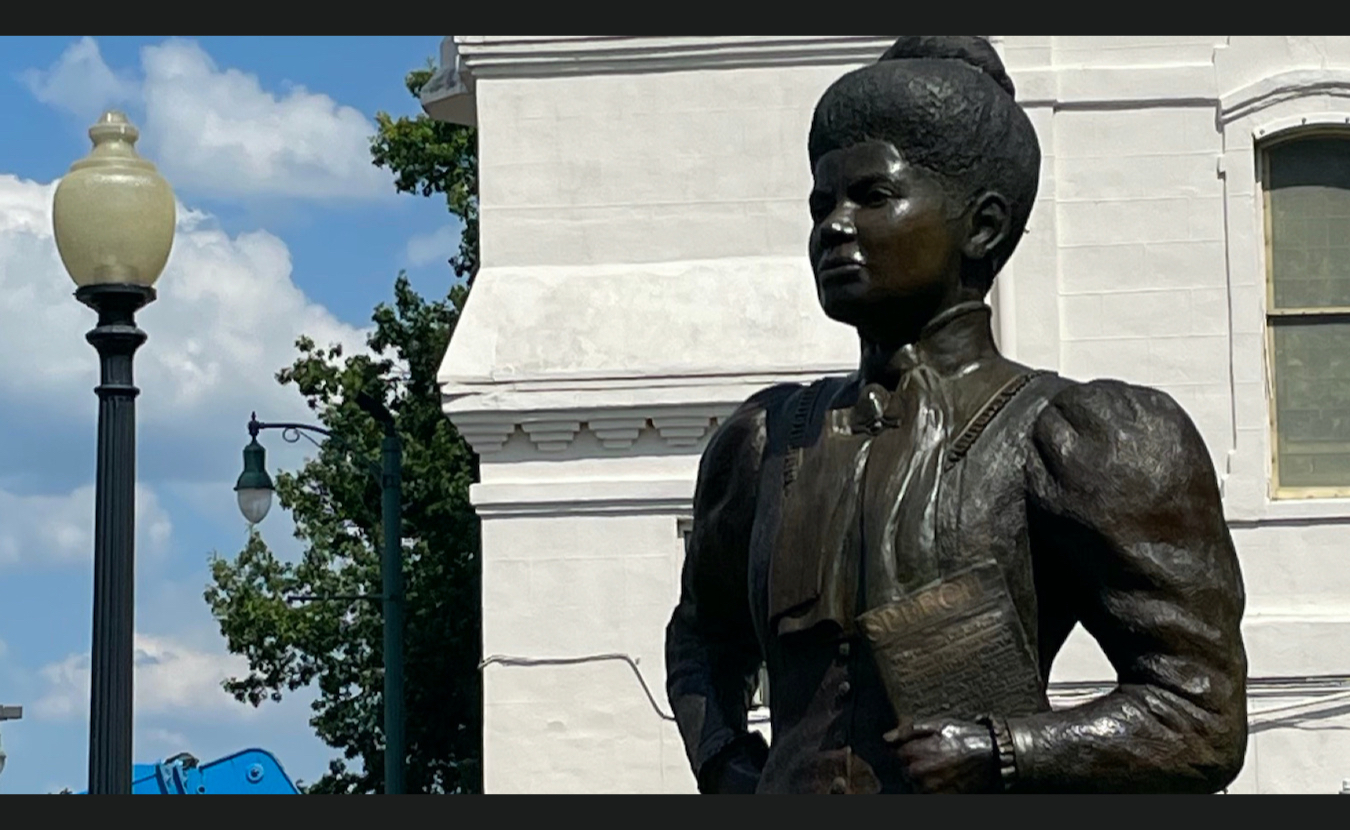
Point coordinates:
[(113, 217), (254, 490)]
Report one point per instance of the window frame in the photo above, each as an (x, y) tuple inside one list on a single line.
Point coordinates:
[(1275, 317)]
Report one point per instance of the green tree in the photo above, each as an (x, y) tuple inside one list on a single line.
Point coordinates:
[(337, 646), (430, 157)]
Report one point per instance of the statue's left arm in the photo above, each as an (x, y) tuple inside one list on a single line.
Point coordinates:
[(712, 652), (1127, 519)]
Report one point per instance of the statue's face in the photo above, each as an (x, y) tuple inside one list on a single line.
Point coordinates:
[(885, 246)]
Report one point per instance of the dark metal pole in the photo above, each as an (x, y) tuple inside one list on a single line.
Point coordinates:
[(392, 565), (391, 562), (116, 338), (391, 568)]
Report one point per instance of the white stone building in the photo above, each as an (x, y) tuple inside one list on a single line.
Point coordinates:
[(644, 229)]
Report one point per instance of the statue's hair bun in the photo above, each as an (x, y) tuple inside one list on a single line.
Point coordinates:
[(972, 50)]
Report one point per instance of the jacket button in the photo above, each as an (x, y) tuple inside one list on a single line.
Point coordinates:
[(838, 787)]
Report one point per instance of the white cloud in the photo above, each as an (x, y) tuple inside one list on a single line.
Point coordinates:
[(81, 83), (217, 131), (170, 678), (226, 320), (59, 530), (437, 246)]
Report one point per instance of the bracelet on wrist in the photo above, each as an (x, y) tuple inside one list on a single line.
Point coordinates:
[(1004, 752)]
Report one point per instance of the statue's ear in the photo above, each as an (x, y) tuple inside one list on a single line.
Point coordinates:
[(988, 225)]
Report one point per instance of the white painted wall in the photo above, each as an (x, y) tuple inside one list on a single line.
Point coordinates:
[(643, 232)]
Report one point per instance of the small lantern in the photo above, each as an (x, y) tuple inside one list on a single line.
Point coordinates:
[(254, 487)]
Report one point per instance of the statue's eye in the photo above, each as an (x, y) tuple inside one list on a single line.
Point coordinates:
[(879, 195), (872, 192)]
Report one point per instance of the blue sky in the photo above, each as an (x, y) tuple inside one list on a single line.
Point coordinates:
[(284, 228)]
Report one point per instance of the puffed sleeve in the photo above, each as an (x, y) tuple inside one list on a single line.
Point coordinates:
[(1127, 517), (712, 652)]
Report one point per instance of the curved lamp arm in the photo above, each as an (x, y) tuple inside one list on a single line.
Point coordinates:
[(291, 432), (255, 488)]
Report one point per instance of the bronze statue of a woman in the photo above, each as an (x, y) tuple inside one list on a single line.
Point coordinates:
[(908, 547)]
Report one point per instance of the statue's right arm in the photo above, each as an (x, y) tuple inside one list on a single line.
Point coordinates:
[(1128, 518), (712, 652)]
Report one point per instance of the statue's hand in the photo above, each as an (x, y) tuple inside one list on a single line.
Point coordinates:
[(736, 769), (739, 776), (947, 756)]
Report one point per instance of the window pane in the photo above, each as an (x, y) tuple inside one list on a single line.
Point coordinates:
[(1310, 222), (1312, 404)]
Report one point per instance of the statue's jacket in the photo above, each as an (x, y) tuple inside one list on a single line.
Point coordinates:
[(1098, 501)]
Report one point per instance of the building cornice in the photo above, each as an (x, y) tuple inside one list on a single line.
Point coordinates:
[(609, 415), (588, 390), (449, 95), (522, 56), (465, 58)]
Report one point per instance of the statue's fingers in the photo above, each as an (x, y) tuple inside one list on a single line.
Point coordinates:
[(910, 730), (920, 753)]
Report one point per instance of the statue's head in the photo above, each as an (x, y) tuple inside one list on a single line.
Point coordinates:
[(925, 170)]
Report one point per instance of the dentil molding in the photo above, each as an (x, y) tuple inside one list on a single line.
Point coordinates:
[(615, 432)]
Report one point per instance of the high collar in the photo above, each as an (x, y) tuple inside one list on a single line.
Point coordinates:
[(949, 345), (953, 340)]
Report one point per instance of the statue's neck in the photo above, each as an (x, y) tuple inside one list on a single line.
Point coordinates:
[(957, 337)]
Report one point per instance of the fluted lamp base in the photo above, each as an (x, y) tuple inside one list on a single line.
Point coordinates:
[(116, 338)]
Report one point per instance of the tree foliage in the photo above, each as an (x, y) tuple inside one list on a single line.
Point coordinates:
[(430, 157), (337, 646)]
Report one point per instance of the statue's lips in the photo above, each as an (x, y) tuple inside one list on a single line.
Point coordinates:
[(839, 272)]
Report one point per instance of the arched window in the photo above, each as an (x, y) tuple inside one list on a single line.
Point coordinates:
[(1306, 183)]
